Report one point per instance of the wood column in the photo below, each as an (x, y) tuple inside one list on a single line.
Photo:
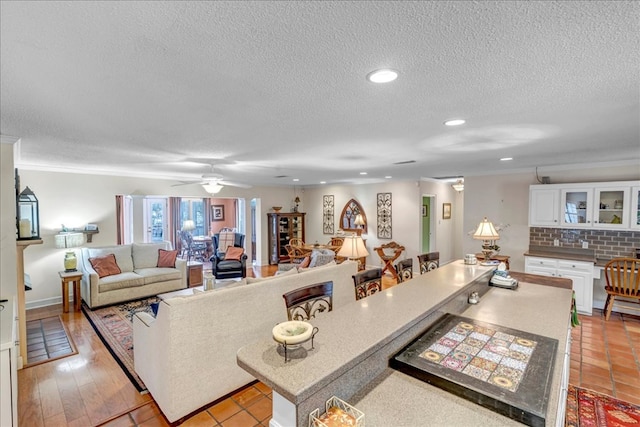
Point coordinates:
[(21, 245)]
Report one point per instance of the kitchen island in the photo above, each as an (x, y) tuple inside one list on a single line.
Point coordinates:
[(351, 353)]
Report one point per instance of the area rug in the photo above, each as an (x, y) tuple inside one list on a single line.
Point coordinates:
[(47, 339), (114, 326), (587, 408)]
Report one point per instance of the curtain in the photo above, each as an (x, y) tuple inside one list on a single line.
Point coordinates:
[(120, 226), (174, 221), (207, 216)]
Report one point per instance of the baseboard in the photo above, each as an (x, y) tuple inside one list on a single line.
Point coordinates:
[(44, 303)]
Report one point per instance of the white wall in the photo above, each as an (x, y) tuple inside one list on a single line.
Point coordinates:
[(8, 256), (77, 199), (406, 215)]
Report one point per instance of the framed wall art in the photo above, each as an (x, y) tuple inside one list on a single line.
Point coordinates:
[(327, 214), (446, 211), (425, 210), (217, 213), (384, 215)]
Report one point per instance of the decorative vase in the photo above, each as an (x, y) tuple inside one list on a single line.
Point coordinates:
[(70, 261)]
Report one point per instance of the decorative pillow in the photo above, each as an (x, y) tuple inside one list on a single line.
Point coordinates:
[(105, 265), (305, 262), (154, 308), (167, 259), (233, 253)]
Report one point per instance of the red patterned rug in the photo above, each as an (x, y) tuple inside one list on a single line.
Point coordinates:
[(114, 326), (587, 408)]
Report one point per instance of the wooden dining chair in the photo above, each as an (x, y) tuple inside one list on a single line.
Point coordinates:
[(367, 282), (304, 303), (404, 268), (296, 242), (296, 255), (428, 262), (623, 280)]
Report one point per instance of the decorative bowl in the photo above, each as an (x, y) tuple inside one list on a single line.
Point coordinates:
[(276, 208), (292, 332)]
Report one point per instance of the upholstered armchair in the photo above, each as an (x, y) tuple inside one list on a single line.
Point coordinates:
[(221, 266)]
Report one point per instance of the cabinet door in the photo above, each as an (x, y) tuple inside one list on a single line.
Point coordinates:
[(544, 207), (581, 273), (611, 207), (635, 208), (577, 207)]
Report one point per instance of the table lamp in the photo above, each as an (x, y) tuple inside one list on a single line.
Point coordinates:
[(488, 234), (68, 240), (359, 222), (353, 248)]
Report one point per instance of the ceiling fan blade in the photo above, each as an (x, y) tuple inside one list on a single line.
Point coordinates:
[(234, 184), (187, 183)]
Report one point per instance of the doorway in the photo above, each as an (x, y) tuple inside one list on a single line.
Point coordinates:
[(428, 224), (155, 219)]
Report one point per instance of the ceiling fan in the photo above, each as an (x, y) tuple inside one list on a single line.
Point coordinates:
[(213, 182)]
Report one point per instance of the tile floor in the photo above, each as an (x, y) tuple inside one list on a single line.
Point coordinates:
[(605, 356), (46, 340)]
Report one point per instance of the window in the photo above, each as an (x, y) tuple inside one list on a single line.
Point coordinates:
[(194, 209)]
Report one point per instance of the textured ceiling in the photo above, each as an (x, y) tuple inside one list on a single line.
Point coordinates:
[(279, 89)]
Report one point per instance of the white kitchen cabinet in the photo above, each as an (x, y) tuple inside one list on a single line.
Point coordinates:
[(580, 272), (544, 210), (8, 367), (595, 205), (634, 219)]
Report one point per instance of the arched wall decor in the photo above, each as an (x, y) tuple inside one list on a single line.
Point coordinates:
[(348, 217)]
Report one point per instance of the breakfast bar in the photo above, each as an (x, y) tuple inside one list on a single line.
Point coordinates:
[(351, 352)]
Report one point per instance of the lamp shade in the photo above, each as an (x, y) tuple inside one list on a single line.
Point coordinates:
[(188, 225), (212, 187), (353, 247), (486, 231), (359, 220)]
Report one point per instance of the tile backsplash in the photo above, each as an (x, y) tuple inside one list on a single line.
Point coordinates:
[(606, 243)]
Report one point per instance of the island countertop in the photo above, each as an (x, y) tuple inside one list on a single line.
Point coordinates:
[(368, 331)]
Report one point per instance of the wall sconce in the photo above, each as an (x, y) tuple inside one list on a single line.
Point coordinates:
[(488, 234), (458, 186)]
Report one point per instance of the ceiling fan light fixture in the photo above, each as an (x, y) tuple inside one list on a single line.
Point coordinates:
[(455, 122), (212, 187), (458, 186), (384, 75)]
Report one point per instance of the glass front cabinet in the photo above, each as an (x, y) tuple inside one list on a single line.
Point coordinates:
[(282, 228), (612, 207), (577, 204), (635, 208)]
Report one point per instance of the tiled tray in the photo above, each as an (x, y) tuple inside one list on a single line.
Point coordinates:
[(502, 369)]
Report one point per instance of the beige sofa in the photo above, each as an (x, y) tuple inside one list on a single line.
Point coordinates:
[(186, 356), (139, 278)]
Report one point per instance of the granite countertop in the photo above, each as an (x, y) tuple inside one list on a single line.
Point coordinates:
[(576, 254), (355, 331), (394, 398)]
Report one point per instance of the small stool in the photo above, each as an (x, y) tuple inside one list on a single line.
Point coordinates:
[(73, 277), (389, 258)]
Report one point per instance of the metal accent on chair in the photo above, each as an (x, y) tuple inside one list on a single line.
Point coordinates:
[(404, 269), (623, 280), (367, 282), (304, 303), (428, 262), (389, 258)]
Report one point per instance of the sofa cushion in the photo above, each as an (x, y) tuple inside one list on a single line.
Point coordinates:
[(145, 255), (233, 253), (122, 253), (167, 259), (105, 265), (158, 274), (124, 280)]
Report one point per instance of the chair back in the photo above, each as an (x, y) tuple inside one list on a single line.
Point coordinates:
[(304, 303), (622, 277), (428, 262), (389, 251), (237, 242), (335, 244), (296, 242), (404, 268), (367, 282)]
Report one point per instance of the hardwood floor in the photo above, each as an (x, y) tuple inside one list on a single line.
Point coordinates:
[(90, 389)]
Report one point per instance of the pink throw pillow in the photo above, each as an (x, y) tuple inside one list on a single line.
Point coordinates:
[(167, 259), (105, 265)]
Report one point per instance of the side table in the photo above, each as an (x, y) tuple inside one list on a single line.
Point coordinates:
[(73, 277), (194, 273)]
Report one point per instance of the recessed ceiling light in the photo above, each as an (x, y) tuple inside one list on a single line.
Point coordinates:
[(382, 76), (296, 179), (455, 122), (323, 182), (363, 173), (504, 159), (388, 177)]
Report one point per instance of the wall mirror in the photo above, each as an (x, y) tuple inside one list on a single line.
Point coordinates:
[(349, 215)]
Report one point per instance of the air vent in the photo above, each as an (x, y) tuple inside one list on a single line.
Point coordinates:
[(406, 162)]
